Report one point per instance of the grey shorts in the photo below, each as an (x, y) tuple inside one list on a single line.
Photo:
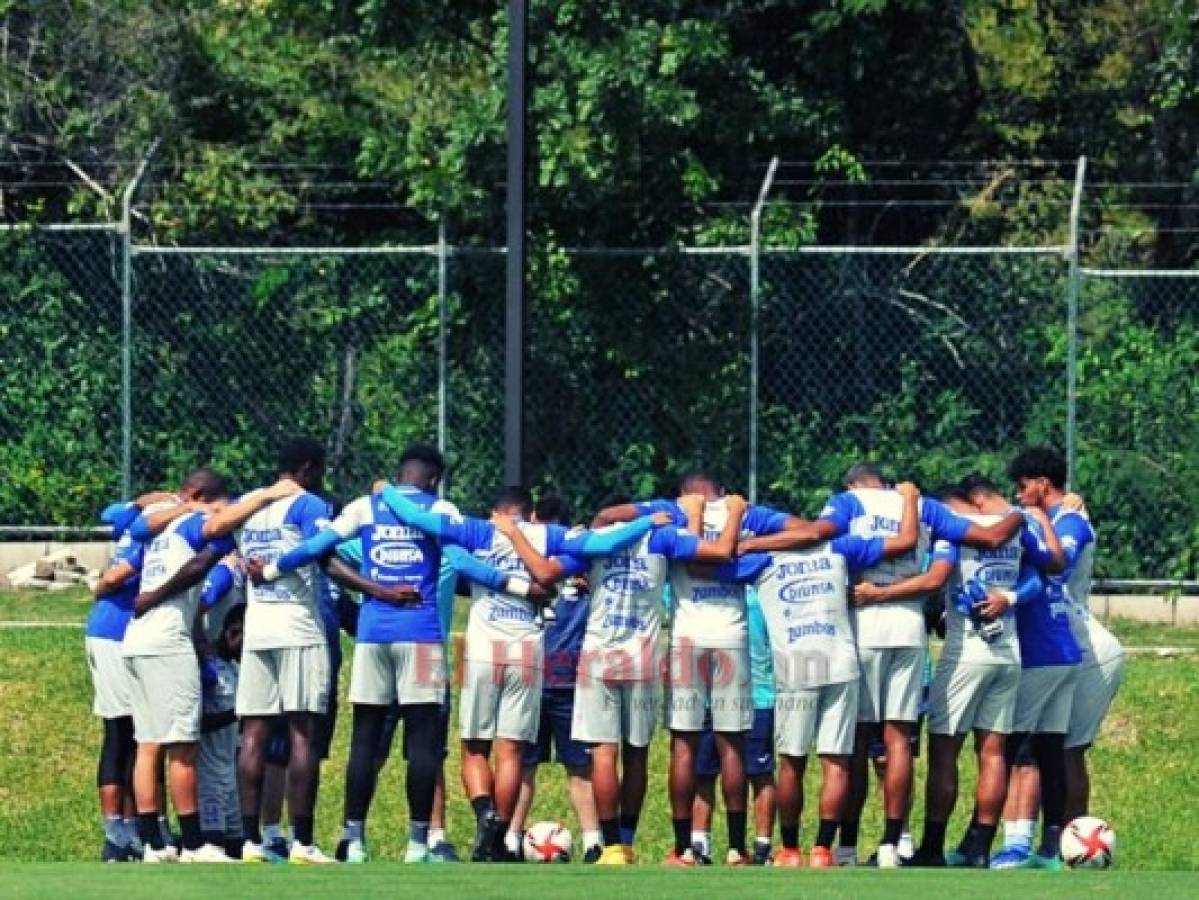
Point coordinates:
[(499, 701), (890, 685), (969, 696), (402, 673), (1044, 699), (823, 717), (164, 693), (284, 680), (110, 678), (614, 712), (703, 680), (1095, 688)]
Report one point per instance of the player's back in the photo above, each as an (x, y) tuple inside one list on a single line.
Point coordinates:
[(499, 621), (707, 613), (166, 629), (995, 569), (1073, 586)]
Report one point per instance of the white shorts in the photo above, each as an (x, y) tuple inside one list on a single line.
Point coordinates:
[(1044, 699), (110, 678), (1095, 688), (403, 673), (706, 679), (499, 701), (284, 680), (164, 694), (891, 684), (969, 696), (822, 717), (614, 712)]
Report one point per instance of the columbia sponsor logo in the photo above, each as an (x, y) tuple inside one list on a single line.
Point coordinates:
[(395, 554), (622, 582), (799, 591), (811, 629)]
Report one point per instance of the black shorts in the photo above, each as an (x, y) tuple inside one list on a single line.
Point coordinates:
[(557, 714)]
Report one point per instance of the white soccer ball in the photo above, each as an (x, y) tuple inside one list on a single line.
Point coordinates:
[(547, 842), (1088, 843)]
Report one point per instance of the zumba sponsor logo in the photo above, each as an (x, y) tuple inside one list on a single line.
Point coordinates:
[(811, 629)]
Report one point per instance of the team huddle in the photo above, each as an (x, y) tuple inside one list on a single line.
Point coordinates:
[(756, 636)]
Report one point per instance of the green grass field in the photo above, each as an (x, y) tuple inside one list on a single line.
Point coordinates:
[(1146, 781)]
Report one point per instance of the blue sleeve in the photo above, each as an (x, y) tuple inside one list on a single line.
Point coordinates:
[(761, 520), (192, 531), (941, 521), (313, 548), (130, 552), (649, 507), (1029, 584), (573, 565), (310, 513), (474, 569), (599, 543), (860, 553), (673, 543), (743, 568), (473, 534), (840, 509), (218, 583), (1074, 534), (139, 530), (1035, 550), (946, 551), (223, 545), (120, 516)]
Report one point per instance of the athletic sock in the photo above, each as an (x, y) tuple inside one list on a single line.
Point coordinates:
[(272, 833), (628, 828), (114, 831), (437, 836), (762, 841), (849, 832), (736, 823), (301, 827), (164, 829), (149, 832), (593, 839), (609, 832), (249, 827), (499, 848), (682, 835), (189, 827), (418, 833), (984, 836), (354, 830), (790, 835), (892, 830), (1017, 834), (132, 838), (513, 841), (1051, 841), (827, 833), (934, 837), (703, 841), (482, 805)]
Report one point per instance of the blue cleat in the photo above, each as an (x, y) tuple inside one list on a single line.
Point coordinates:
[(443, 852), (1012, 858)]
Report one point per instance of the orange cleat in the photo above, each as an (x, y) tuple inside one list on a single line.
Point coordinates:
[(821, 858), (789, 858), (684, 859)]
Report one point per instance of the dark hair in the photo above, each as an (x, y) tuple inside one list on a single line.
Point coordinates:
[(421, 464), (691, 476), (947, 492), (616, 499), (1039, 462), (977, 481), (550, 508), (234, 615), (863, 471), (336, 504), (514, 495), (206, 484), (298, 452)]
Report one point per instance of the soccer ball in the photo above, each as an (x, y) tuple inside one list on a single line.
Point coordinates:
[(1088, 843), (547, 842)]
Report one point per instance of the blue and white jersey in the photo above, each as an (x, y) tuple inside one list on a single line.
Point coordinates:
[(1073, 586), (166, 629), (223, 589), (1043, 627), (804, 596), (110, 615), (285, 612), (710, 613), (761, 664), (564, 636), (876, 513)]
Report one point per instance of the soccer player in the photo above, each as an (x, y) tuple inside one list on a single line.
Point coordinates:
[(564, 633), (804, 597), (891, 635), (285, 659), (164, 674), (977, 678), (399, 655), (501, 693), (216, 768), (619, 666), (1040, 476)]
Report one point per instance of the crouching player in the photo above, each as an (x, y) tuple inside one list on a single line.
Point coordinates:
[(216, 768), (804, 596)]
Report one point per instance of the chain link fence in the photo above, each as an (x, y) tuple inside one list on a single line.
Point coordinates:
[(638, 364)]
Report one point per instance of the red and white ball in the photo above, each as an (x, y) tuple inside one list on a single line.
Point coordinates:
[(1088, 843), (547, 842)]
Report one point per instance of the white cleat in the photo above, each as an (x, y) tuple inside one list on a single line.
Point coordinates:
[(167, 854), (847, 856), (253, 853), (311, 855), (887, 857), (208, 853)]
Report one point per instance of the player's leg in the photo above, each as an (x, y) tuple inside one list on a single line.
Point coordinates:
[(518, 715), (868, 732), (834, 791), (634, 782), (181, 778), (276, 840), (301, 773), (702, 809), (421, 726), (684, 747), (304, 681), (557, 710), (582, 798), (1050, 752), (116, 750), (990, 793), (606, 789), (508, 755), (835, 717), (795, 720), (535, 753), (146, 794), (732, 720), (731, 747), (789, 798), (759, 770), (368, 723), (901, 688), (1095, 689), (251, 767), (685, 712)]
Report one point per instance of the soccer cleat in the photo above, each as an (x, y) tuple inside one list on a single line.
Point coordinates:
[(111, 853), (485, 830), (443, 852), (821, 858), (923, 859), (761, 855), (789, 858), (887, 857), (847, 856), (416, 853), (208, 853), (277, 850), (1012, 858), (613, 855), (736, 858), (956, 858), (967, 861), (701, 858), (167, 854), (630, 854), (1046, 863), (593, 853), (674, 858), (905, 848), (308, 855), (253, 853)]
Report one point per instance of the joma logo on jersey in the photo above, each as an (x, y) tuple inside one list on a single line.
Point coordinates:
[(799, 591), (624, 581), (395, 555), (261, 535), (884, 524), (800, 567), (1006, 552), (397, 533)]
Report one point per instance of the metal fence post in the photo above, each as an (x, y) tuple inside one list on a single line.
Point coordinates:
[(442, 337), (127, 322), (1072, 326), (755, 235)]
